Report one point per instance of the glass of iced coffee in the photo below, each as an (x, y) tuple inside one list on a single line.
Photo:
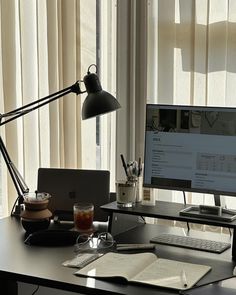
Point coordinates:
[(83, 216)]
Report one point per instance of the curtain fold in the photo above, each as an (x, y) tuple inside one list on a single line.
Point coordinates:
[(3, 175), (29, 64), (131, 80), (40, 54), (11, 95)]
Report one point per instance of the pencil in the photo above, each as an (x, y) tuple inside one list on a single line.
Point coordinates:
[(184, 279), (124, 165), (139, 166)]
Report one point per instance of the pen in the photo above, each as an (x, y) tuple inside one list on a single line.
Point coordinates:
[(123, 247), (209, 283), (184, 279), (123, 163), (139, 166)]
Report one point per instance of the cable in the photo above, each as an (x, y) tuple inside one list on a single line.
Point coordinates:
[(144, 221), (230, 233), (185, 204), (36, 290), (13, 207)]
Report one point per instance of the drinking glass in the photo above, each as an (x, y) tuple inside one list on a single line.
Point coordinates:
[(83, 216)]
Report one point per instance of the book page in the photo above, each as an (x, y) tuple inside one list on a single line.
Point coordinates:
[(118, 265), (169, 273)]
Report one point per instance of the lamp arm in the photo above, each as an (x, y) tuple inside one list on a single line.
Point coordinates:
[(17, 179), (19, 112)]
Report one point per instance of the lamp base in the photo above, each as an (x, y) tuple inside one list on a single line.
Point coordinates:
[(31, 225)]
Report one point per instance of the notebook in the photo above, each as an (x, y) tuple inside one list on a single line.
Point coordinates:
[(68, 186), (146, 268)]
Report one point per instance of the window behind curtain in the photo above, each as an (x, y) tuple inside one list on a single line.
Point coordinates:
[(191, 59), (106, 60), (96, 19), (103, 156)]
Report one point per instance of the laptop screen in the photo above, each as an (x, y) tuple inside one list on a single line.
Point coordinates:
[(69, 186)]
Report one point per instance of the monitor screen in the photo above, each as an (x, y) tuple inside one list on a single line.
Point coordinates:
[(190, 148)]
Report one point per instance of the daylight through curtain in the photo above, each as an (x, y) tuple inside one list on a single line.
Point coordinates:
[(191, 60), (40, 54)]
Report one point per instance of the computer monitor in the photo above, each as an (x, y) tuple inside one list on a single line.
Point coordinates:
[(191, 148)]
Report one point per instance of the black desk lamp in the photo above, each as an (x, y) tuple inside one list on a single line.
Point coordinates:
[(97, 102)]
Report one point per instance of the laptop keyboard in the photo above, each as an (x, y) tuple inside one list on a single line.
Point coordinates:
[(191, 243)]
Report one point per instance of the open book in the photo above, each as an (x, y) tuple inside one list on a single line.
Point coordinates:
[(146, 268)]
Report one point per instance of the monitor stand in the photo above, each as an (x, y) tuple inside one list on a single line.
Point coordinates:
[(210, 212)]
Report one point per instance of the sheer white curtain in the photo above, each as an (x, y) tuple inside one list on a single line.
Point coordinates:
[(45, 46), (184, 53), (192, 47), (131, 80), (107, 49)]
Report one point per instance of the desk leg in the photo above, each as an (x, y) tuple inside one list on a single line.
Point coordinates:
[(110, 222), (8, 287), (234, 246)]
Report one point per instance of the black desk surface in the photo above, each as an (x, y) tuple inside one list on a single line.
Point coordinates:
[(42, 265)]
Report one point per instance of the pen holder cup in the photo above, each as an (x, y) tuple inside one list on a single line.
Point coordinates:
[(138, 180), (126, 193)]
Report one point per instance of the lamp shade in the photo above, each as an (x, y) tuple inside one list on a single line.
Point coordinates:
[(98, 101)]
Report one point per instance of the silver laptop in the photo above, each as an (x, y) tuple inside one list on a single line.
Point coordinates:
[(69, 186)]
